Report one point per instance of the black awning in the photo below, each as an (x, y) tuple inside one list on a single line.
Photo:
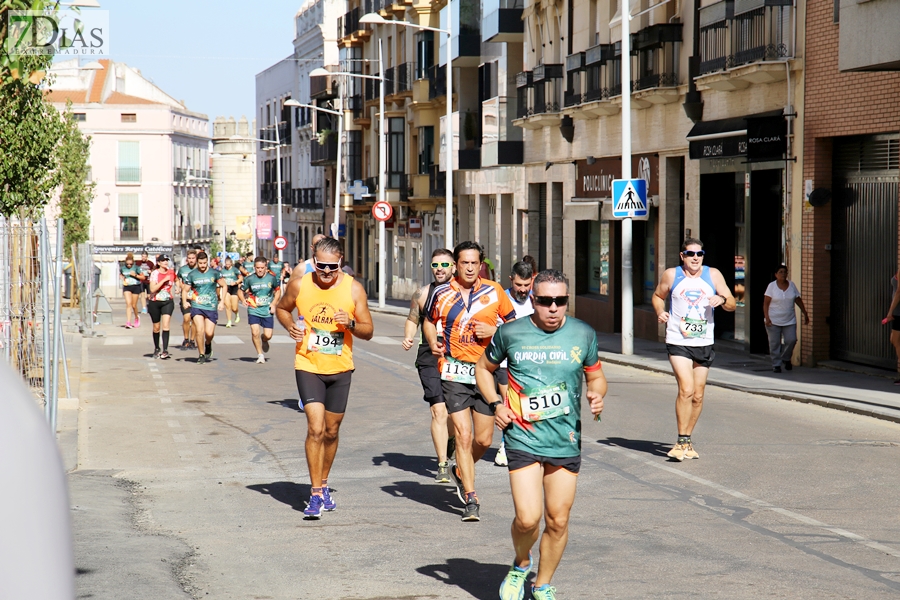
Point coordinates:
[(755, 136)]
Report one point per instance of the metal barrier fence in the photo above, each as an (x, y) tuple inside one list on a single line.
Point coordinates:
[(30, 327)]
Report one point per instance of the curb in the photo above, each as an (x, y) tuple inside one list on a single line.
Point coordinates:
[(795, 397)]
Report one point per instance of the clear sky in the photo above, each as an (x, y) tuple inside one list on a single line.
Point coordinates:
[(204, 52)]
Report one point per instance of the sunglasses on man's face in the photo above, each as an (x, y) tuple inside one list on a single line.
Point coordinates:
[(550, 300), (440, 265), (324, 266), (690, 253)]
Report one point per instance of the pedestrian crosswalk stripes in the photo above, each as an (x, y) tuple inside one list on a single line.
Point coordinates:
[(128, 340), (124, 340), (227, 339)]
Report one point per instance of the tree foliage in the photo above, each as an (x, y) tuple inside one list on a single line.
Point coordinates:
[(30, 134), (15, 68), (77, 193)]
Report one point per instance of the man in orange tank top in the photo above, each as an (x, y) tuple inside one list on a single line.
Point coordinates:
[(333, 308), (468, 308)]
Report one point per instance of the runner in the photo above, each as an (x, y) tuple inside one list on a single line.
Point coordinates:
[(246, 267), (264, 291), (519, 292), (186, 325), (276, 268), (204, 289), (468, 309), (332, 308), (232, 277), (161, 304), (692, 291), (131, 276), (548, 354), (427, 364), (146, 266), (308, 265)]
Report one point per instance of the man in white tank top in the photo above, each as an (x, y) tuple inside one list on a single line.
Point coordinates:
[(692, 291)]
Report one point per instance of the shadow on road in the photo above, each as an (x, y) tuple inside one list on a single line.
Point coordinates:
[(437, 496), (426, 466), (287, 403), (480, 580), (652, 448), (293, 494), (244, 359)]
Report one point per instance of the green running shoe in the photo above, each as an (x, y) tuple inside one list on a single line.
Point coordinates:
[(513, 586), (443, 474), (545, 592)]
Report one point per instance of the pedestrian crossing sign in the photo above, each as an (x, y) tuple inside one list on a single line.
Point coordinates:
[(629, 198)]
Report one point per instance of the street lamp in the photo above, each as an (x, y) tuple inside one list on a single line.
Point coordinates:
[(277, 144), (376, 19), (382, 163)]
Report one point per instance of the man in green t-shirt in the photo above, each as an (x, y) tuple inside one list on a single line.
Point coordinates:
[(186, 324), (260, 293), (246, 266), (203, 289), (548, 354)]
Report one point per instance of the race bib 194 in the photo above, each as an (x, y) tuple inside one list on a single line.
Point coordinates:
[(543, 403), (326, 342), (693, 328), (458, 371)]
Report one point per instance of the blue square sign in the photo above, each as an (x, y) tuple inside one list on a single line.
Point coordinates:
[(629, 198)]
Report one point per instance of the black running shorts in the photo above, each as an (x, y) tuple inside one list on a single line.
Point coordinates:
[(519, 459), (330, 390), (501, 376), (701, 355), (460, 396), (158, 308), (427, 365)]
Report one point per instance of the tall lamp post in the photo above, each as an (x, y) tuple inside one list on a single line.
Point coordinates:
[(382, 163), (376, 19), (277, 144)]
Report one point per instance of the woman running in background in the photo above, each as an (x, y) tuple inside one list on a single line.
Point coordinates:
[(232, 277), (160, 304), (131, 287)]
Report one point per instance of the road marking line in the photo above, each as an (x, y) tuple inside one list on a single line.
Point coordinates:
[(384, 340), (169, 411), (157, 376), (760, 503), (174, 424), (179, 437), (227, 339), (163, 391), (165, 401), (124, 340), (281, 339), (393, 362)]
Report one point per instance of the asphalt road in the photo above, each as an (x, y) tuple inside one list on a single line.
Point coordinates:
[(191, 480)]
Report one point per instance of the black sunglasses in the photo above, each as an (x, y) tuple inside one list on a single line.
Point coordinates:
[(689, 253), (550, 300), (323, 266), (443, 265)]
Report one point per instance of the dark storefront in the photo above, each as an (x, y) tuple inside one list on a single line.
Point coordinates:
[(742, 170), (598, 244)]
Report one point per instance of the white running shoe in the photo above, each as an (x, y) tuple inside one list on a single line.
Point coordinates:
[(500, 460), (261, 359)]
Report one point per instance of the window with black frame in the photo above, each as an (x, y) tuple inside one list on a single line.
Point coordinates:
[(396, 155), (426, 149), (424, 53)]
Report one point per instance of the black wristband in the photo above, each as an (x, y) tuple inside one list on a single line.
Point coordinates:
[(493, 406)]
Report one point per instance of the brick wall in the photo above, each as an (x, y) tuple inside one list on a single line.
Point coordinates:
[(836, 104)]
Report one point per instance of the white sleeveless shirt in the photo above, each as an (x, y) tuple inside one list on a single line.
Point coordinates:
[(690, 315)]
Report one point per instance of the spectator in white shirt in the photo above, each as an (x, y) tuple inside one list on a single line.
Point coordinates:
[(781, 320)]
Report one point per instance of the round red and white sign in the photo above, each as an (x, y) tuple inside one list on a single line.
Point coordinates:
[(382, 211), (280, 242)]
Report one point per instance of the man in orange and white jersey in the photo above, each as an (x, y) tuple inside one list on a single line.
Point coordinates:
[(468, 309), (333, 308)]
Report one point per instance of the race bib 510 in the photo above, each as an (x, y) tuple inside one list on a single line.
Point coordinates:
[(546, 402)]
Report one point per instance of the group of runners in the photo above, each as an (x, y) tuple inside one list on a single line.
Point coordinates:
[(201, 292), (487, 357)]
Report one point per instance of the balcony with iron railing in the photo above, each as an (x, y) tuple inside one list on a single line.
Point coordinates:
[(179, 175), (306, 199), (574, 94), (437, 82), (128, 175), (321, 155), (502, 142), (743, 42), (355, 105), (404, 75), (128, 232), (389, 82)]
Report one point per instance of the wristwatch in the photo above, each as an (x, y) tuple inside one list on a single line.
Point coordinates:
[(493, 406), (351, 325)]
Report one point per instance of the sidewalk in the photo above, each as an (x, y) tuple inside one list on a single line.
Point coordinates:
[(834, 384)]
